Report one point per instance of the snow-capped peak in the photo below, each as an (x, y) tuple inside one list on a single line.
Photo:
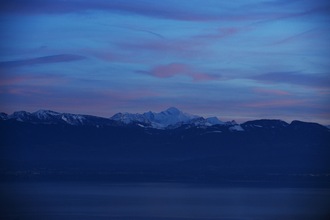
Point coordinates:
[(172, 111), (45, 114), (171, 116), (163, 119), (214, 121)]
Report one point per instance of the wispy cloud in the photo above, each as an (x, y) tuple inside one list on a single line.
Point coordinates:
[(193, 45), (42, 60), (223, 33), (275, 103), (32, 79), (133, 28), (174, 10), (24, 91), (145, 8), (276, 92), (177, 69), (295, 78), (311, 34), (130, 94), (186, 48)]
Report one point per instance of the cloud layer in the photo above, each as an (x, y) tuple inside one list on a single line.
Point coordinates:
[(179, 69), (231, 59), (42, 60)]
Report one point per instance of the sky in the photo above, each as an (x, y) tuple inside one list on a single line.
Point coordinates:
[(237, 60)]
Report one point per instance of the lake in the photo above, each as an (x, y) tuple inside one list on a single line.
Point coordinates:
[(159, 201)]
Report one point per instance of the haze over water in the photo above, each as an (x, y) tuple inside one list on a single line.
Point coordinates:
[(76, 200)]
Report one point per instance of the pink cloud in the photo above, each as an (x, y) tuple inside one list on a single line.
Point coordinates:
[(31, 80), (24, 91), (275, 103), (133, 94), (204, 77), (323, 91), (12, 80), (177, 69), (294, 78), (271, 91), (165, 71)]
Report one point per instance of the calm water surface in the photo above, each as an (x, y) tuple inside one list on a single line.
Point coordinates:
[(159, 201)]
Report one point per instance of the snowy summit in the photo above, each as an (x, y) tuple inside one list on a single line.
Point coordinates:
[(169, 117)]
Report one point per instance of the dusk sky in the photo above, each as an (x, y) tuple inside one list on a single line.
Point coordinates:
[(242, 59)]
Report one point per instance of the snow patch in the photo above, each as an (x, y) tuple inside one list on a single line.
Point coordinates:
[(236, 128), (64, 119)]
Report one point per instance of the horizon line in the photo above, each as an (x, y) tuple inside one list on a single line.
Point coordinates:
[(109, 117)]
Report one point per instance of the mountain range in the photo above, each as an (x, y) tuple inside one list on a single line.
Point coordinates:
[(170, 118), (167, 146)]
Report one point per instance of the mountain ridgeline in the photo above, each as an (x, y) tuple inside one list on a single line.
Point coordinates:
[(168, 119), (166, 146)]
